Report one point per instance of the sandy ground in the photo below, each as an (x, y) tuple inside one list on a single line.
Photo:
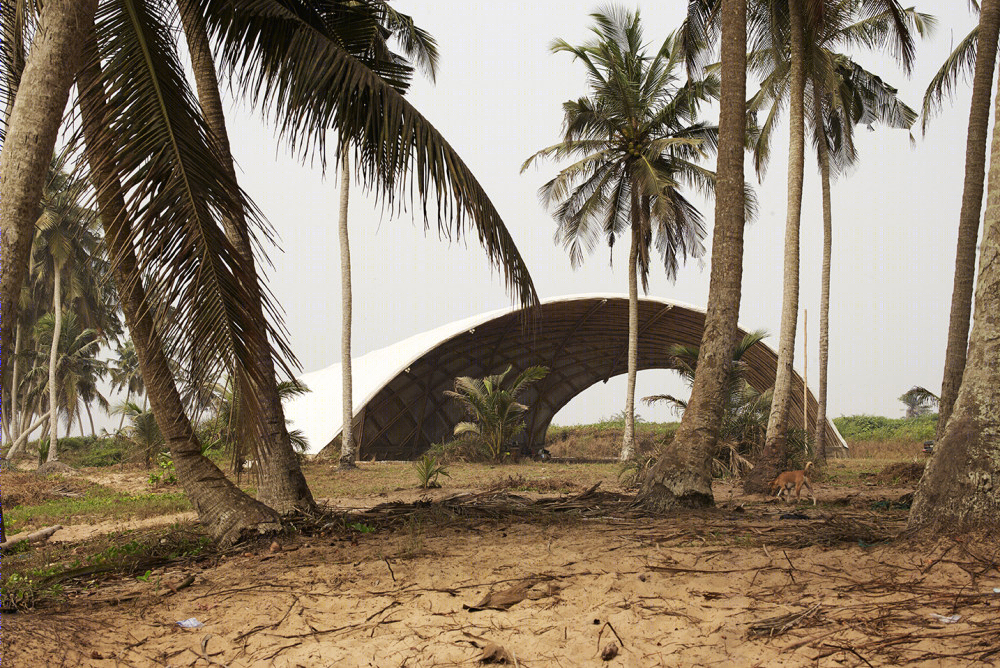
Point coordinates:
[(723, 588)]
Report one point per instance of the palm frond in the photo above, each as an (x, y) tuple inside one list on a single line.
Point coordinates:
[(177, 190), (960, 64), (289, 63)]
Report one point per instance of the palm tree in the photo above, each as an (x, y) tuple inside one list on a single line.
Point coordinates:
[(227, 417), (143, 434), (634, 141), (958, 491), (978, 52), (493, 407), (226, 511), (126, 374), (882, 23), (683, 473), (172, 239), (76, 369), (39, 99), (918, 401), (843, 94)]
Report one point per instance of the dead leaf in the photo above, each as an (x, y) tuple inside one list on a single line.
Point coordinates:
[(501, 600)]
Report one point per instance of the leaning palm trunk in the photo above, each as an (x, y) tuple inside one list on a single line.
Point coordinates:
[(968, 221), (227, 512), (53, 363), (824, 301), (960, 488), (30, 140), (281, 484), (628, 438), (683, 474), (773, 456), (348, 449)]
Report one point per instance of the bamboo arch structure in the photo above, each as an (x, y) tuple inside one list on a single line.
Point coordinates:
[(400, 406)]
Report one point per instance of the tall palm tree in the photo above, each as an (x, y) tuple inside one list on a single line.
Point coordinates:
[(634, 141), (226, 511), (840, 95), (882, 23), (977, 52), (37, 94), (683, 473), (76, 368), (958, 491)]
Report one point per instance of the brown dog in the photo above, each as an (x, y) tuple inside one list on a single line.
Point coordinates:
[(790, 480)]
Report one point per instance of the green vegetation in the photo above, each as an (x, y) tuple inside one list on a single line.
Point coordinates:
[(97, 504), (492, 405), (428, 469), (602, 440), (877, 428)]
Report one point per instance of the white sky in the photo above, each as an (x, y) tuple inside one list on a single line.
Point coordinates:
[(498, 99)]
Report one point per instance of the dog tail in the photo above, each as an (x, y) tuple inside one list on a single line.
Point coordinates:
[(809, 465)]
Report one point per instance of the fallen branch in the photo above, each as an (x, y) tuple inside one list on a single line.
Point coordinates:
[(39, 536)]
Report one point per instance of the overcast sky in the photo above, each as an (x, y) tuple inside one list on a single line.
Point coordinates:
[(498, 99)]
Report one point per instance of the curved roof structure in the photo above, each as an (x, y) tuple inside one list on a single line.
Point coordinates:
[(399, 404)]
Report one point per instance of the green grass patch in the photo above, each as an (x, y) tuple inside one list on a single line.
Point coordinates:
[(97, 504), (875, 428)]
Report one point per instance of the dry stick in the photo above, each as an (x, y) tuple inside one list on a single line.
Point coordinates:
[(601, 632), (792, 567), (386, 560), (37, 536)]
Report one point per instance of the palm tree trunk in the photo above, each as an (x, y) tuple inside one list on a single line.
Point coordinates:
[(16, 381), (972, 199), (53, 364), (90, 417), (683, 474), (628, 438), (225, 510), (824, 301), (30, 140), (79, 421), (773, 457), (348, 449), (281, 484), (121, 422), (960, 489)]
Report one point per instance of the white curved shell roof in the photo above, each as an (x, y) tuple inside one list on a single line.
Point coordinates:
[(318, 413)]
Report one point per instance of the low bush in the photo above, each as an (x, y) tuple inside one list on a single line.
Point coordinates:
[(878, 428)]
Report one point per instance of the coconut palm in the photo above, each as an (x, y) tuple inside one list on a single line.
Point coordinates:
[(634, 142), (143, 434), (683, 473), (976, 53), (76, 367), (497, 416), (840, 95), (226, 418), (918, 401), (151, 108), (958, 491), (125, 374), (796, 47)]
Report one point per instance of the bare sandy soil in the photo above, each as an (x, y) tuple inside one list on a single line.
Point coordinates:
[(552, 586)]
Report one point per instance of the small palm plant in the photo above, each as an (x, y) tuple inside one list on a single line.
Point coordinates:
[(493, 407), (428, 469), (142, 433)]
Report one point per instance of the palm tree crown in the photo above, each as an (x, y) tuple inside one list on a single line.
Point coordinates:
[(635, 141)]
